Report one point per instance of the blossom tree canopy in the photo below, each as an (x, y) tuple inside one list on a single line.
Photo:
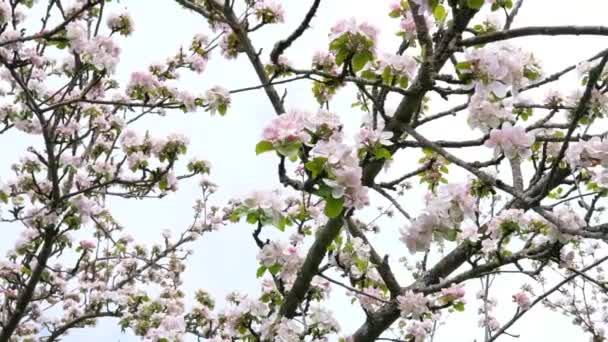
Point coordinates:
[(520, 198)]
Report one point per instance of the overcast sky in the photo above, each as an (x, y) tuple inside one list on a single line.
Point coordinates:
[(225, 261)]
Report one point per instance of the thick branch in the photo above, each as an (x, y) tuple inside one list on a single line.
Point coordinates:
[(309, 269)]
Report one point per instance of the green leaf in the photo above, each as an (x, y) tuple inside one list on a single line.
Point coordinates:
[(368, 74), (341, 56), (60, 43), (383, 153), (163, 184), (360, 60), (234, 217), (260, 272), (282, 223), (464, 66), (3, 197), (289, 150), (440, 13), (531, 74), (324, 191), (475, 4), (387, 76), (26, 270), (333, 206), (459, 306), (263, 146), (316, 166), (222, 109), (252, 218), (276, 268), (338, 43), (403, 82), (361, 264), (394, 14)]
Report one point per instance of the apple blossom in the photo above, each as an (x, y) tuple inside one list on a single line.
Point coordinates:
[(413, 304), (269, 11), (522, 300), (513, 141), (218, 100)]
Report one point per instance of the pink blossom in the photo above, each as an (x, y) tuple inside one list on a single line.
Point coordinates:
[(402, 65), (198, 63), (499, 67), (286, 128), (142, 81), (369, 137), (217, 99), (122, 23), (419, 330), (508, 216), (469, 232), (514, 142), (444, 210), (87, 244), (325, 61), (487, 115), (269, 11), (414, 304), (356, 31), (522, 300), (453, 293), (76, 34), (264, 200)]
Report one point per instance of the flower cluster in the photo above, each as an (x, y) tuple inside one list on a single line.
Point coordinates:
[(269, 11), (513, 141), (402, 10), (588, 153), (344, 174), (507, 222), (324, 61), (354, 257), (498, 68), (281, 259), (100, 51), (452, 293), (353, 40), (486, 114), (522, 300), (218, 100), (356, 33), (397, 69), (413, 305), (121, 23), (444, 212)]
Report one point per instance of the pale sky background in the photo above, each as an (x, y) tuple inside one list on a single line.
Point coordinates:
[(225, 261)]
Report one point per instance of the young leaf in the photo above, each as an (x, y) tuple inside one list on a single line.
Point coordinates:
[(263, 146), (315, 166), (475, 4), (274, 269), (440, 13), (333, 206), (459, 306), (260, 272), (359, 60)]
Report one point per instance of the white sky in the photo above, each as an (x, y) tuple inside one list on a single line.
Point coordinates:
[(225, 261)]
